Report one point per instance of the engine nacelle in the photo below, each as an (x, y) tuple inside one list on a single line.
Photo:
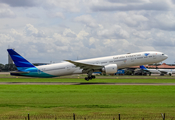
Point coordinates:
[(110, 69), (169, 73)]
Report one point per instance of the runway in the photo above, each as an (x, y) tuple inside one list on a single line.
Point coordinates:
[(82, 83)]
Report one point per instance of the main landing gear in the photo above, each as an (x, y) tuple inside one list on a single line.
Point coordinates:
[(90, 76)]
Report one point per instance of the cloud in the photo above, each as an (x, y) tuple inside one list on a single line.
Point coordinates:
[(57, 14), (161, 39), (20, 3), (5, 39), (85, 28), (115, 31), (6, 13), (164, 21), (82, 34), (131, 19), (93, 41), (32, 15), (112, 5), (87, 20), (173, 1), (16, 34), (66, 5), (69, 33), (30, 30), (127, 1), (144, 20), (169, 43)]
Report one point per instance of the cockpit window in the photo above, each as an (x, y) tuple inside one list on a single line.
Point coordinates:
[(162, 54)]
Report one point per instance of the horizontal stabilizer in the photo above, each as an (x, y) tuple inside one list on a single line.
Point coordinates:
[(17, 73)]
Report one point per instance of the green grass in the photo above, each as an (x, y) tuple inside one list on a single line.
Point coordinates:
[(86, 99)]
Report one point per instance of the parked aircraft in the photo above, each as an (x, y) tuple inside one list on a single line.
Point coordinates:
[(108, 65), (158, 71)]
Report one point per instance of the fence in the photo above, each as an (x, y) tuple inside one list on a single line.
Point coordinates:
[(73, 116)]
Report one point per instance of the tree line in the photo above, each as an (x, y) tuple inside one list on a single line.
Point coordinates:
[(7, 67)]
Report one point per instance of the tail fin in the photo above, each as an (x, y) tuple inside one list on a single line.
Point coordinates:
[(143, 67), (20, 62)]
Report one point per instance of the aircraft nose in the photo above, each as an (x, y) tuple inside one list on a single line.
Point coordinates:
[(165, 56)]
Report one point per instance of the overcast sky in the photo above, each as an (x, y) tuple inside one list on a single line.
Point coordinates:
[(56, 30)]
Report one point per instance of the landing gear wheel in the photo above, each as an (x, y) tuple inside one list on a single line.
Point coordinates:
[(89, 75), (93, 77), (90, 78), (86, 78)]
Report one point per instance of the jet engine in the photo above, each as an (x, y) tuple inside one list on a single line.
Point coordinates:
[(110, 69)]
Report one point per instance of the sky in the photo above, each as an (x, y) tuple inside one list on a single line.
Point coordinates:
[(47, 31)]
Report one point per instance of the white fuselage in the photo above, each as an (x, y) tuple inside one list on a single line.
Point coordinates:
[(122, 61), (154, 71), (172, 71)]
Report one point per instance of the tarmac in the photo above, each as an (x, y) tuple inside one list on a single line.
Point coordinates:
[(5, 73)]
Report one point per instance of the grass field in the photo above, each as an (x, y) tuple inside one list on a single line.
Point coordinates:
[(88, 100)]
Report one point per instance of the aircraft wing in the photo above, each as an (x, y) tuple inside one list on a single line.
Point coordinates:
[(85, 66)]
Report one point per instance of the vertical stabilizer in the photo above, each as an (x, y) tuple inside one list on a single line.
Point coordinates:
[(20, 62), (143, 67)]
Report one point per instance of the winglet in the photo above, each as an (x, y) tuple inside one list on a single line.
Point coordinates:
[(20, 62)]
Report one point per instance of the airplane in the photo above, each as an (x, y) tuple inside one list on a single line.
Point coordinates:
[(159, 71), (108, 65)]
